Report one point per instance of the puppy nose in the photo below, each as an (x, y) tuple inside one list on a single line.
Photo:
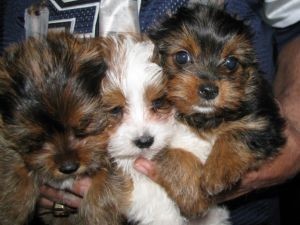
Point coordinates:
[(69, 167), (208, 91), (144, 141)]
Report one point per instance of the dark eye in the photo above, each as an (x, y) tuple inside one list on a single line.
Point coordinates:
[(116, 111), (231, 63), (85, 122), (160, 103), (182, 57), (32, 143), (79, 133)]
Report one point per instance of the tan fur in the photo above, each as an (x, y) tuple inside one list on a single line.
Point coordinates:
[(179, 171), (183, 95)]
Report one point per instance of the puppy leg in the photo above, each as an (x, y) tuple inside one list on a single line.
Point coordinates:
[(178, 171), (103, 202), (229, 159)]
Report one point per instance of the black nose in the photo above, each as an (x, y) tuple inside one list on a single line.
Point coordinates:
[(208, 91), (144, 141), (69, 167)]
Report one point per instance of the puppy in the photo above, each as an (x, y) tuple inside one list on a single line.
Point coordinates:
[(142, 124), (54, 129), (219, 92)]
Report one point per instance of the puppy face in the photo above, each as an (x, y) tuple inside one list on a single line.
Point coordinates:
[(209, 59), (134, 94), (51, 108)]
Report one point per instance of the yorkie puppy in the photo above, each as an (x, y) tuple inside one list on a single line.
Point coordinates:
[(54, 129), (142, 124), (218, 90)]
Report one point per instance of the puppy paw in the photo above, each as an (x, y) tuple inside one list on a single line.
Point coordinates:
[(219, 180)]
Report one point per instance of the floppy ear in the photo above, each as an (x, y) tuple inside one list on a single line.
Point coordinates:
[(91, 74)]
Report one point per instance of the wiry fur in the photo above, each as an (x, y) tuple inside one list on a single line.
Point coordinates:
[(53, 119), (219, 92), (142, 124)]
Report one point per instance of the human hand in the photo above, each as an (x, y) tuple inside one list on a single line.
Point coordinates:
[(71, 198), (146, 167), (286, 90), (285, 166)]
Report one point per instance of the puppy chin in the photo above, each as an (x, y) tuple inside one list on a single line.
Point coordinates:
[(204, 109), (65, 184)]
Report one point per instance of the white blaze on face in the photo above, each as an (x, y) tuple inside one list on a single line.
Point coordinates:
[(141, 132)]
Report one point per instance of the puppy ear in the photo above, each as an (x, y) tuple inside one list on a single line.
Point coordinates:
[(91, 74)]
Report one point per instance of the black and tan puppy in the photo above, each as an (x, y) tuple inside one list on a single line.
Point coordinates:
[(219, 92), (54, 129)]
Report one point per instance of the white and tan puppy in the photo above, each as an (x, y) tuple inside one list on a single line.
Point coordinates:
[(143, 124)]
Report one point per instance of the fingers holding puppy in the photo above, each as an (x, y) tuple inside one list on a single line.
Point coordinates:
[(71, 197)]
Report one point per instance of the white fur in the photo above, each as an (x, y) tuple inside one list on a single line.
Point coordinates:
[(186, 139), (132, 71), (203, 109), (215, 216), (67, 184)]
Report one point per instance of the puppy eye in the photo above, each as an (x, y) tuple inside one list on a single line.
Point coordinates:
[(33, 143), (231, 63), (116, 111), (80, 133), (182, 57), (160, 103)]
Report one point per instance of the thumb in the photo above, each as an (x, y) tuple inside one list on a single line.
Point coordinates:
[(146, 167)]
